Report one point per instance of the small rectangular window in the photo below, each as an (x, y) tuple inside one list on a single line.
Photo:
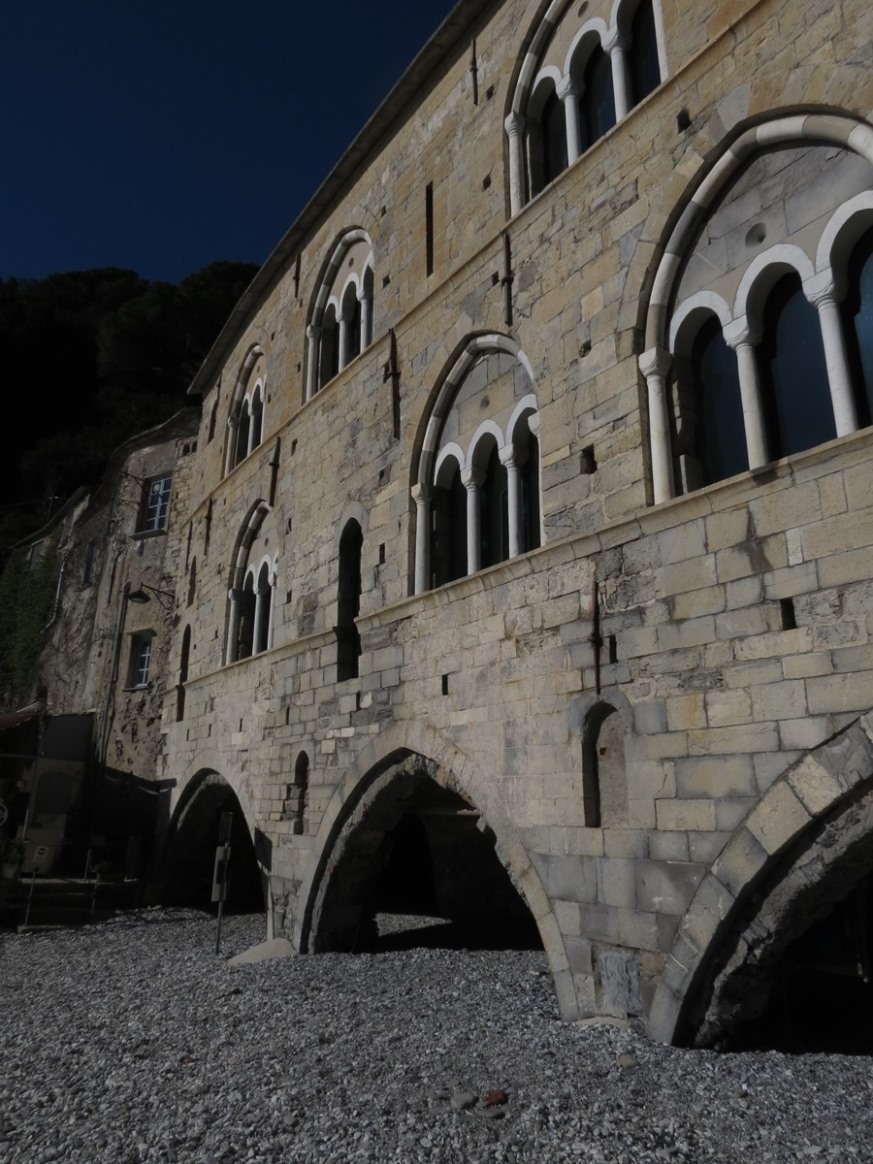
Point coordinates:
[(140, 659), (155, 504)]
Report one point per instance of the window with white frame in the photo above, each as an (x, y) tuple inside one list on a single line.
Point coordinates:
[(340, 325), (155, 509), (567, 98), (140, 659), (478, 493), (769, 344), (245, 426)]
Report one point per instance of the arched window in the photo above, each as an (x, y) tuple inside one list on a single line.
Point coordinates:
[(719, 432), (449, 525), (263, 610), (858, 326), (348, 637), (478, 496), (328, 364), (252, 587), (493, 512), (798, 413), (644, 72), (341, 317), (246, 420), (597, 99), (548, 138), (604, 776)]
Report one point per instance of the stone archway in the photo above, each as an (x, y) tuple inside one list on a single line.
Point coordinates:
[(408, 842), (189, 852), (806, 846)]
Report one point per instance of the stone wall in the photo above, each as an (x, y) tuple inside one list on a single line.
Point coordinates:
[(621, 705)]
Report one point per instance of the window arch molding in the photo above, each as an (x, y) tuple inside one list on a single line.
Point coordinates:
[(321, 345), (247, 400), (527, 100), (655, 360), (251, 590), (433, 459), (845, 228)]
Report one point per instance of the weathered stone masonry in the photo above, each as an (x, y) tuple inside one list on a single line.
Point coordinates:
[(467, 351)]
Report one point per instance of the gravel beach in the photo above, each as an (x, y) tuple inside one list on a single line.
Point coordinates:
[(131, 1042)]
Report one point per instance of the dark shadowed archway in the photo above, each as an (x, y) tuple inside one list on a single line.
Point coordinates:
[(189, 857), (409, 844)]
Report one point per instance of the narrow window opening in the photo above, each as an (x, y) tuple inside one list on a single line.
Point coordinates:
[(349, 605), (788, 614), (428, 226), (445, 684)]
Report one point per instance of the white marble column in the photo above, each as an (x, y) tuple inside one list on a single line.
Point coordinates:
[(471, 479), (513, 498), (313, 344), (742, 337), (616, 46), (234, 597), (421, 497), (826, 295), (654, 365), (366, 321), (514, 125), (569, 96)]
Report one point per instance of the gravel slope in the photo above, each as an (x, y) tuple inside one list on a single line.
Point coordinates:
[(131, 1042)]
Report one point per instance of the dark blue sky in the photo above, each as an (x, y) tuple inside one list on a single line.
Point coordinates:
[(161, 136)]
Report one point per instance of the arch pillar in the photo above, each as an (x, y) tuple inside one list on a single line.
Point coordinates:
[(825, 295), (654, 365), (743, 338)]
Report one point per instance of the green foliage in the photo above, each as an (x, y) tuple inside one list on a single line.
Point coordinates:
[(27, 597)]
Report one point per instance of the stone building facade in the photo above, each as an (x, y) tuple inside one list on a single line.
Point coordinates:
[(531, 506)]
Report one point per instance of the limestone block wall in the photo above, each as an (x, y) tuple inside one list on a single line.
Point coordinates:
[(715, 639)]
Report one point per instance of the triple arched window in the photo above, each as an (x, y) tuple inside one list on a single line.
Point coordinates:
[(759, 331), (251, 592), (568, 98), (787, 366), (478, 494), (341, 318), (245, 426)]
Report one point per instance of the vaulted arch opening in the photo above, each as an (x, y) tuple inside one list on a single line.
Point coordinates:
[(793, 968), (189, 860), (412, 848)]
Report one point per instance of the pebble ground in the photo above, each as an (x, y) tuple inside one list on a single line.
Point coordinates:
[(132, 1043)]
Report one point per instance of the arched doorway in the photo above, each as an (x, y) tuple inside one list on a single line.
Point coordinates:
[(189, 859), (410, 846)]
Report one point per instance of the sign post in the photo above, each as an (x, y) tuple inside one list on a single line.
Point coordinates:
[(221, 871)]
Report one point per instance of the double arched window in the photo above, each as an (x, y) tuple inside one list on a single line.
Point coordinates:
[(478, 493), (341, 319), (250, 596), (566, 99), (245, 426)]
